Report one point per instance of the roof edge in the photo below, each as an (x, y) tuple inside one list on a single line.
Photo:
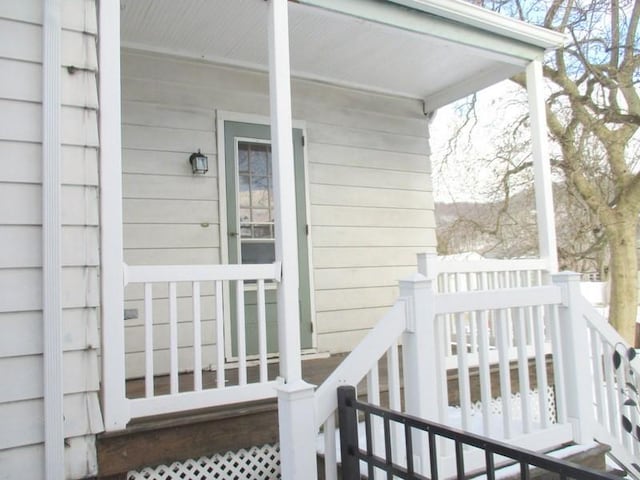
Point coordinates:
[(488, 20)]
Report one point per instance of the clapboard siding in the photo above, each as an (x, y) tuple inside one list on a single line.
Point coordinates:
[(343, 155), (79, 125), (368, 170), (79, 246), (172, 256), (79, 15), (79, 368), (21, 318), (79, 164), (25, 83), (23, 421), (329, 215), (79, 332), (329, 257)]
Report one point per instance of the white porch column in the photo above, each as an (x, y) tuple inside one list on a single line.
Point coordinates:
[(115, 411), (542, 166), (295, 397)]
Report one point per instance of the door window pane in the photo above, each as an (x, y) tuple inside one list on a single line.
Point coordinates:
[(255, 203)]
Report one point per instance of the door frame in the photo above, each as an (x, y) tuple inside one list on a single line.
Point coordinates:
[(223, 116)]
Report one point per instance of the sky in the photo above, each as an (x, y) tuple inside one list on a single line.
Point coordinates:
[(461, 176)]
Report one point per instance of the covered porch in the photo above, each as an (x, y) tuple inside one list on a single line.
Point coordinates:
[(330, 80)]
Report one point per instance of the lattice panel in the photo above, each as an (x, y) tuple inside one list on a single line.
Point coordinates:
[(256, 463), (495, 407)]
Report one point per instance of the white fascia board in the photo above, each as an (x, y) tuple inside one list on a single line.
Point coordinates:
[(488, 20), (454, 21)]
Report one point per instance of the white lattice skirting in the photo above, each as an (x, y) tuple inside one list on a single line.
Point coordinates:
[(255, 463)]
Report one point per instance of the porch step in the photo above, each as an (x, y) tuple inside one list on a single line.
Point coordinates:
[(163, 440), (589, 456)]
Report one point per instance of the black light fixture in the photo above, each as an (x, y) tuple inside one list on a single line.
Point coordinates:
[(199, 163)]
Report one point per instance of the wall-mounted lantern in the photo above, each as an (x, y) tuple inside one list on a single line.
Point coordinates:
[(199, 163)]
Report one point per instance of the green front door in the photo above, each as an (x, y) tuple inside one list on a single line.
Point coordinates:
[(250, 225)]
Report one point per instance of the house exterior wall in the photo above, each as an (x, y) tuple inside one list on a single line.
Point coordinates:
[(369, 186), (21, 317)]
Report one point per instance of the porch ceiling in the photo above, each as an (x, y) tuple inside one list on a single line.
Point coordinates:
[(373, 45)]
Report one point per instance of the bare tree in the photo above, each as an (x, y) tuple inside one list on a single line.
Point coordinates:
[(593, 114)]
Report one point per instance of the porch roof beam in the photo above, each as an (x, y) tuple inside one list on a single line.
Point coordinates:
[(468, 86)]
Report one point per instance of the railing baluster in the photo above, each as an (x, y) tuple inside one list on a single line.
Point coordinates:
[(505, 374), (523, 368), (330, 460), (463, 372), (148, 340), (241, 331), (620, 381), (262, 332), (484, 371), (220, 373), (393, 375), (558, 363), (197, 339), (596, 372), (612, 403), (173, 338), (541, 365), (373, 397)]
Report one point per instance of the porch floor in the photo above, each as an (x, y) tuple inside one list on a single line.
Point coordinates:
[(314, 371)]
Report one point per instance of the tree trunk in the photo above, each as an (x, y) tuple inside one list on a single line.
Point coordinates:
[(623, 302)]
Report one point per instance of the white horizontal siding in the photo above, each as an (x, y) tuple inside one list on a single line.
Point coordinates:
[(79, 164), (79, 377), (21, 368), (79, 15), (80, 331), (371, 207)]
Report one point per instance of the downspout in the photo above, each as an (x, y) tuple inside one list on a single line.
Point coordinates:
[(51, 240)]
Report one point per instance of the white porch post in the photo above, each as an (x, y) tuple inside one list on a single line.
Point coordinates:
[(295, 397), (541, 166), (573, 341), (115, 411)]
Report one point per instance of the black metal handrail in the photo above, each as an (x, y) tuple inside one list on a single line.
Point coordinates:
[(352, 454)]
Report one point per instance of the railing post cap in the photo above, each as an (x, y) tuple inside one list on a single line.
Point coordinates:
[(414, 278), (565, 277)]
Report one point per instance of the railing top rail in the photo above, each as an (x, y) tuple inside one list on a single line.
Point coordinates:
[(347, 398), (200, 273), (359, 361), (497, 299), (490, 265)]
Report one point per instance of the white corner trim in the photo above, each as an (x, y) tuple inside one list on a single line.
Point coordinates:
[(51, 244)]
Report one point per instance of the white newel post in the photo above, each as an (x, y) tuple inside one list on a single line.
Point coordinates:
[(422, 365), (427, 265), (574, 344), (295, 397), (542, 166)]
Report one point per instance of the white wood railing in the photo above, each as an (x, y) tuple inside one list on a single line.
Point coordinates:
[(165, 281), (608, 387), (418, 383), (454, 276)]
